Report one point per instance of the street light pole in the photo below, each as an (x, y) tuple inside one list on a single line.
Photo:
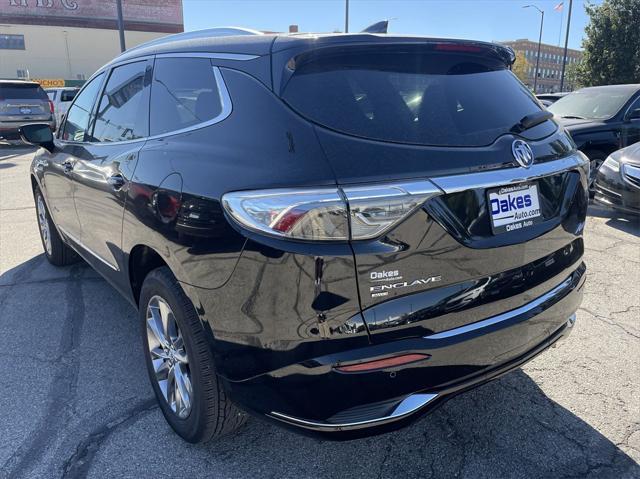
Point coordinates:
[(346, 16), (120, 25), (535, 78), (566, 43)]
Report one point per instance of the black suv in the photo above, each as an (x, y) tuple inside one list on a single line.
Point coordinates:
[(601, 120), (333, 232)]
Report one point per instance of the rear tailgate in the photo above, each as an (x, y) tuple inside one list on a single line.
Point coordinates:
[(449, 113), (23, 101)]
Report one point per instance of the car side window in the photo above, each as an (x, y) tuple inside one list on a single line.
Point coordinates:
[(77, 119), (184, 93), (67, 95), (634, 106), (123, 112)]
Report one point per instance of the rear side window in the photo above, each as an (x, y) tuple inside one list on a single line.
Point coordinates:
[(17, 91), (410, 95), (123, 111), (77, 122), (68, 95), (184, 93)]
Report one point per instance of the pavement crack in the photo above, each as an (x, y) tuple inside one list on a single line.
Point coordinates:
[(79, 463), (62, 389)]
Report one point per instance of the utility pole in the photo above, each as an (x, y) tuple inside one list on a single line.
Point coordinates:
[(535, 78), (120, 25), (346, 16), (566, 42)]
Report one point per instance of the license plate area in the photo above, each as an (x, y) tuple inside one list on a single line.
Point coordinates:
[(514, 207)]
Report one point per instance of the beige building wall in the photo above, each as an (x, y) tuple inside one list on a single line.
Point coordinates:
[(64, 52)]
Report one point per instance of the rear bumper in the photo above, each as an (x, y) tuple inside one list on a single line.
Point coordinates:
[(315, 397)]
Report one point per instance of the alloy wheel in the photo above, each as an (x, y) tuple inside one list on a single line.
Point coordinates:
[(169, 356), (43, 223)]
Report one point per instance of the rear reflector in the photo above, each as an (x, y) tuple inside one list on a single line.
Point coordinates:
[(383, 363)]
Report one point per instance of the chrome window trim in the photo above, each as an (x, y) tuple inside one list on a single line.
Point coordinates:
[(84, 247), (407, 406), (242, 57), (225, 101), (508, 176), (540, 300)]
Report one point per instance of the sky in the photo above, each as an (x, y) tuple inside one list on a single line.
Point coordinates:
[(489, 20)]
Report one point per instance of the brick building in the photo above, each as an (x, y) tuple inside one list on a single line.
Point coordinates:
[(550, 67)]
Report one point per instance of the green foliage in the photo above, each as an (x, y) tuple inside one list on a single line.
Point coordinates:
[(520, 67), (612, 44)]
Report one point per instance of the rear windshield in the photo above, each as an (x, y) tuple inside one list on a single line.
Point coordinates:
[(411, 96), (22, 92)]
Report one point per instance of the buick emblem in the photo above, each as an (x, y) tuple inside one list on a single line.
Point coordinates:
[(522, 153)]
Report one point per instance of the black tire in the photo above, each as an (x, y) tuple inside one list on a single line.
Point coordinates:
[(59, 253), (211, 414), (596, 158)]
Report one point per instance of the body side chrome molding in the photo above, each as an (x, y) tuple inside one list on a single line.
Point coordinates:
[(407, 406), (505, 177), (84, 247), (549, 296)]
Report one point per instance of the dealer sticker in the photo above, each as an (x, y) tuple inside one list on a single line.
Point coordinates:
[(514, 207)]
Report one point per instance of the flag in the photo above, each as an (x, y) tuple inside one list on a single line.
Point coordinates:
[(558, 7)]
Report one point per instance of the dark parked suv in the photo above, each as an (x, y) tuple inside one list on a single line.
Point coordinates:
[(23, 102), (333, 232), (601, 120)]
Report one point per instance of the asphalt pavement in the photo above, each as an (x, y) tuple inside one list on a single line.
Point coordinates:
[(75, 400)]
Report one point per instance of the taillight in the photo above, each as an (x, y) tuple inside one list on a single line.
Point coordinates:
[(328, 214), (50, 106)]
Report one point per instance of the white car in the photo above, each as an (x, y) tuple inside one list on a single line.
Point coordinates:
[(61, 98)]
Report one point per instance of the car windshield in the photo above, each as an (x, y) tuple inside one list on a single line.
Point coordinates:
[(592, 104), (416, 97)]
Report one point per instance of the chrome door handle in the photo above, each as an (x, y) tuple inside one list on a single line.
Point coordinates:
[(116, 182)]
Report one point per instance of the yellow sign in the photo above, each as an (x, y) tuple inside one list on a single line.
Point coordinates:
[(50, 82)]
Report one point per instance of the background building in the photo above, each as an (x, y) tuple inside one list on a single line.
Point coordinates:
[(65, 41), (550, 67)]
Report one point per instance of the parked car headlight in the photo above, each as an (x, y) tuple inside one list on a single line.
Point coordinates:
[(612, 164)]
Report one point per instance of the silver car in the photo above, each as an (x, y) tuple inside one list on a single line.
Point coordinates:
[(61, 98), (23, 102)]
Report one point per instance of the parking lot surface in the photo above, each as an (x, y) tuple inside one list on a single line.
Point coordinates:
[(75, 400)]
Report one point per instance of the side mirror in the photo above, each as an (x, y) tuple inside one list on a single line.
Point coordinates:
[(634, 114), (38, 134)]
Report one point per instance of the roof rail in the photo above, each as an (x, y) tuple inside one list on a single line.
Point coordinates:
[(209, 32)]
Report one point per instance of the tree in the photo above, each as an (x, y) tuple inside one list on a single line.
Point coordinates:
[(612, 44), (520, 67), (572, 77)]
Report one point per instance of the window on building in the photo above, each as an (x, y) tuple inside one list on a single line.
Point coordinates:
[(22, 73), (11, 42), (184, 93), (123, 113)]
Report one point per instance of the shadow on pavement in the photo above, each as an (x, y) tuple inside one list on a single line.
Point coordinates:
[(616, 219), (507, 428)]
